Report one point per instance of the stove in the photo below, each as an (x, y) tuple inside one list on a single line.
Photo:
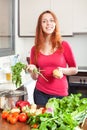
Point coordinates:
[(78, 82)]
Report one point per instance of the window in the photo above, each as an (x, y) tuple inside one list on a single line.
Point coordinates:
[(7, 29)]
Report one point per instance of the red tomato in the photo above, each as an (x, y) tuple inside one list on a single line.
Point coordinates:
[(4, 114), (22, 117), (16, 115), (13, 120), (9, 117), (43, 110), (35, 126)]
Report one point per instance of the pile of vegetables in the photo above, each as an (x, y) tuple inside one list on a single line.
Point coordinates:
[(14, 115), (61, 114), (21, 112), (16, 73), (58, 114)]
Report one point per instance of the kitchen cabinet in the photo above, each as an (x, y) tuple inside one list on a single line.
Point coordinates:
[(80, 16), (4, 18), (71, 15), (29, 11), (7, 32), (63, 10)]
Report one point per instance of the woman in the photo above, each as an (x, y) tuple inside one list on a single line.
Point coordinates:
[(51, 60)]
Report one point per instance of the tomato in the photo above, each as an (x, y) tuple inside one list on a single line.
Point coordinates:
[(35, 126), (9, 117), (22, 117), (43, 110), (16, 115), (4, 114), (13, 120)]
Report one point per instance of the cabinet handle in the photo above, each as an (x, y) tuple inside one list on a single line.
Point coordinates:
[(84, 81), (80, 80)]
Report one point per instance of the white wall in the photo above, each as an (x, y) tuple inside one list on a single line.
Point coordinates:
[(79, 46)]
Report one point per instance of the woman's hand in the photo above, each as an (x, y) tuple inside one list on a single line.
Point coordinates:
[(57, 73), (31, 69)]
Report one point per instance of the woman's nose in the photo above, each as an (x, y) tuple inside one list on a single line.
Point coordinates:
[(48, 21)]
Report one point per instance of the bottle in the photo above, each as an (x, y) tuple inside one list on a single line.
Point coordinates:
[(15, 59)]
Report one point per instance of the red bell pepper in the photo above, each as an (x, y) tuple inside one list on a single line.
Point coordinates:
[(21, 104)]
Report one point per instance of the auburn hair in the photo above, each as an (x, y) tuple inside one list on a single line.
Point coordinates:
[(40, 36)]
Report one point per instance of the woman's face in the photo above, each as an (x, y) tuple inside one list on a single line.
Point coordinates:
[(48, 23)]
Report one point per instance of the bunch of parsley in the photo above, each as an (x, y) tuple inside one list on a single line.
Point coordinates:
[(16, 73)]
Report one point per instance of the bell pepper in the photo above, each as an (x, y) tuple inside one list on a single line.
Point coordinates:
[(21, 104)]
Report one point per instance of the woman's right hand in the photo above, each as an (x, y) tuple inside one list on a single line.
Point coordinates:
[(31, 69)]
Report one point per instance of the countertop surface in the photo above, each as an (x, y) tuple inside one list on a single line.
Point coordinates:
[(82, 69), (4, 125)]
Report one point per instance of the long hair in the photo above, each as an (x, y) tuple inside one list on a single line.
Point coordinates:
[(40, 37)]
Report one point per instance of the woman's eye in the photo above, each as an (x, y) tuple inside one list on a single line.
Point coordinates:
[(52, 20), (47, 21), (44, 21)]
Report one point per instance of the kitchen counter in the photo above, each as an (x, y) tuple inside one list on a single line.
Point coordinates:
[(82, 69), (4, 125)]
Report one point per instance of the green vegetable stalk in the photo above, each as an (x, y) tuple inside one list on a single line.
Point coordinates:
[(38, 72)]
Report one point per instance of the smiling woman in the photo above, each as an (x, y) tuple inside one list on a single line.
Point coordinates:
[(6, 27)]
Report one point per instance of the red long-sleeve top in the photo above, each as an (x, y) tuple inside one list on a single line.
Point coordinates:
[(48, 63)]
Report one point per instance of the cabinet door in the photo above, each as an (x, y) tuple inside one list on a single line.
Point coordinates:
[(63, 10), (7, 24), (79, 15), (29, 11)]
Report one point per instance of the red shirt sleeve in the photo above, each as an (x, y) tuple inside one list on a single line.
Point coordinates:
[(69, 55)]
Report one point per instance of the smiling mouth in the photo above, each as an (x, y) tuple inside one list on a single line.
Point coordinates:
[(49, 29)]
